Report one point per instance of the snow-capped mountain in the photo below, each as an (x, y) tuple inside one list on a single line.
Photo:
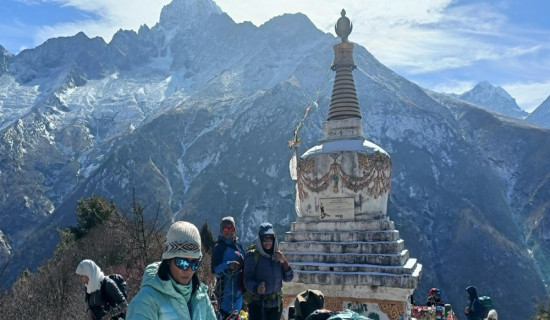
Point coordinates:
[(493, 98), (541, 115), (195, 114)]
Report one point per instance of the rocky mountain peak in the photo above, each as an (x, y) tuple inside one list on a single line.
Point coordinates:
[(3, 51), (4, 56), (187, 12), (144, 29), (486, 87), (61, 50), (290, 21), (541, 115), (494, 98)]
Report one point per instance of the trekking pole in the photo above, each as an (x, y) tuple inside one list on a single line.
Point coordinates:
[(262, 306)]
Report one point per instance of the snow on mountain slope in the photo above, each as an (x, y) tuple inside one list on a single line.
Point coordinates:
[(195, 114)]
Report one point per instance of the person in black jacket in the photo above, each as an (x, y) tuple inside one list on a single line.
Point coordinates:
[(474, 309), (104, 299)]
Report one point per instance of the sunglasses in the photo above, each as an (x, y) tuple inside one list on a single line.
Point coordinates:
[(184, 264), (228, 229), (268, 239)]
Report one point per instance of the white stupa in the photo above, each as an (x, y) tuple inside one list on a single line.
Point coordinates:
[(342, 242)]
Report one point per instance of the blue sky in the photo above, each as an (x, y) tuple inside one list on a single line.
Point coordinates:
[(443, 45)]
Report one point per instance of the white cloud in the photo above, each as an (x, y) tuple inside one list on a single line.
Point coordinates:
[(454, 86), (458, 37), (419, 35), (112, 16), (392, 30), (528, 95)]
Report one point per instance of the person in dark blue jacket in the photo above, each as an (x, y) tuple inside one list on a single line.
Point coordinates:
[(474, 309), (265, 269), (227, 265)]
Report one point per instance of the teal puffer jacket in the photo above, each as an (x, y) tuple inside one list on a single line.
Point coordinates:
[(159, 300)]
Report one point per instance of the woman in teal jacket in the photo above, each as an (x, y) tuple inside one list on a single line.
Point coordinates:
[(171, 289)]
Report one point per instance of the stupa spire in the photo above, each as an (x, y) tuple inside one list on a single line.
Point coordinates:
[(343, 103)]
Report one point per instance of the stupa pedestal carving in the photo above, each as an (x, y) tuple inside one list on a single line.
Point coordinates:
[(342, 242)]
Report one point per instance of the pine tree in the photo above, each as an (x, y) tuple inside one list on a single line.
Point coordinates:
[(207, 238), (91, 212)]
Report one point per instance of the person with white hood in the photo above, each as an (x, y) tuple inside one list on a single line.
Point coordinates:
[(104, 299), (492, 315)]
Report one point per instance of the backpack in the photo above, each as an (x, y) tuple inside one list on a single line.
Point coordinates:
[(248, 297), (487, 303), (308, 301), (120, 283), (352, 315)]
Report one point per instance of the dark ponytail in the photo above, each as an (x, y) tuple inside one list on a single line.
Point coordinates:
[(164, 270), (196, 283)]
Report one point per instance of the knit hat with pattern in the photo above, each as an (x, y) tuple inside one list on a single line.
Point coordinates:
[(183, 240)]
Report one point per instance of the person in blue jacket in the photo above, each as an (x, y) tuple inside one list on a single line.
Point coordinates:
[(474, 309), (227, 265), (265, 269), (171, 289)]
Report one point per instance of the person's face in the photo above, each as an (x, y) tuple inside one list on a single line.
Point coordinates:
[(178, 274), (228, 231), (84, 279), (267, 241)]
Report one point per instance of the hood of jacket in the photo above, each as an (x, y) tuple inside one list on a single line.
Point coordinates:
[(151, 279), (261, 250), (266, 228), (472, 293)]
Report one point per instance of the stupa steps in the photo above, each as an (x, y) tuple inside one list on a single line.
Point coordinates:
[(406, 269), (395, 259), (357, 278), (383, 247), (349, 236), (341, 226)]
